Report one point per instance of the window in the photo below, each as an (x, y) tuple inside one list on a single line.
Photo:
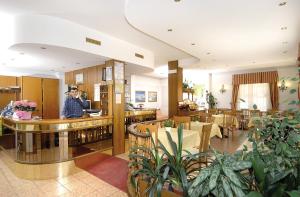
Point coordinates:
[(258, 93)]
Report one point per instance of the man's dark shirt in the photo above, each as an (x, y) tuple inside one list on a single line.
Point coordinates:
[(73, 107)]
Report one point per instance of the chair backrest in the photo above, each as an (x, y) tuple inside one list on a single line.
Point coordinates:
[(185, 120), (205, 117), (212, 111), (153, 129), (254, 113), (205, 137), (222, 110), (228, 119)]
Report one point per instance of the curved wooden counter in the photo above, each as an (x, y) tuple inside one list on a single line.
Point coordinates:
[(55, 140)]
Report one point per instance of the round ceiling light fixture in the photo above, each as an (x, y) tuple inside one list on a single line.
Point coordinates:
[(193, 44), (283, 28), (208, 53), (43, 48), (170, 30)]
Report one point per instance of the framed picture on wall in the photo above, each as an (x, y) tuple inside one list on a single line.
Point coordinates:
[(79, 78), (152, 96), (140, 96)]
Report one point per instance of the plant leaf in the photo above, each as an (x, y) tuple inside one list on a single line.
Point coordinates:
[(254, 194), (226, 187), (241, 165), (214, 177), (294, 193), (232, 176)]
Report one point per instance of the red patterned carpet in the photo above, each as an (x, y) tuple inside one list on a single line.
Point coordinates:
[(110, 169)]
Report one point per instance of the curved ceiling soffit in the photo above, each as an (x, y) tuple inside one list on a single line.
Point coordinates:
[(54, 31), (194, 60)]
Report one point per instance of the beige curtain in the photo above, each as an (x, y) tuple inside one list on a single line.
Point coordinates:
[(235, 93), (260, 77)]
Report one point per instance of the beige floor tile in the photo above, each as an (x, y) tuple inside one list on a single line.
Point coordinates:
[(67, 180), (108, 190), (119, 194), (79, 188)]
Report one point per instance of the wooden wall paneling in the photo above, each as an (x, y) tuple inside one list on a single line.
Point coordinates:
[(50, 98), (32, 90), (6, 81)]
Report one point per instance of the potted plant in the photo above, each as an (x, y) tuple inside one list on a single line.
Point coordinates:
[(168, 124), (211, 100), (23, 109)]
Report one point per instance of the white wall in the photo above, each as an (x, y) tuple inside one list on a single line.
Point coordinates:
[(226, 78), (143, 83)]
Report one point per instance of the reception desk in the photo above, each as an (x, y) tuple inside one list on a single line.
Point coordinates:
[(54, 140)]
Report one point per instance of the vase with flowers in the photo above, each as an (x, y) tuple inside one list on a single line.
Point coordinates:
[(23, 109)]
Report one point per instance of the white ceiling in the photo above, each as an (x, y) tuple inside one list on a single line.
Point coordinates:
[(226, 34), (237, 34), (102, 15)]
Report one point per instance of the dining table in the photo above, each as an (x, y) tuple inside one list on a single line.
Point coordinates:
[(190, 138), (215, 129), (219, 118)]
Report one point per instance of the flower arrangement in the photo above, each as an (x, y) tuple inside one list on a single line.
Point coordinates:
[(24, 105), (23, 109)]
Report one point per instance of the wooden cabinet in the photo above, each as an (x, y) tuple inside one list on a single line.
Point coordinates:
[(69, 78), (31, 89), (6, 97), (50, 98), (43, 91)]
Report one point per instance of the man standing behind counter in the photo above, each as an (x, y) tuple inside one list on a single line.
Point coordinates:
[(74, 104)]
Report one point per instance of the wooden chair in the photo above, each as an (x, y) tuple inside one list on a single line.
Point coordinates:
[(139, 139), (254, 113), (152, 129), (228, 123), (222, 110), (205, 138), (212, 111), (185, 120), (205, 117)]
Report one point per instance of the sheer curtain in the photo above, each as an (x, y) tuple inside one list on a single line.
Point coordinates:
[(257, 93)]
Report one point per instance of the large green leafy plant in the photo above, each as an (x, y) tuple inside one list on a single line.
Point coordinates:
[(159, 166)]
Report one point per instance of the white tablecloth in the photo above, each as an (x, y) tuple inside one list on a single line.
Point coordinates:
[(215, 129), (190, 138), (218, 119)]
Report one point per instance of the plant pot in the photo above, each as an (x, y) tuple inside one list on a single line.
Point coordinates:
[(22, 115)]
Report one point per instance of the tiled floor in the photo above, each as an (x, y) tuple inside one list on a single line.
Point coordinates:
[(79, 184)]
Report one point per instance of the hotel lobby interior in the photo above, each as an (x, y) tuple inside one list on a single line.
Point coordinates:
[(172, 98)]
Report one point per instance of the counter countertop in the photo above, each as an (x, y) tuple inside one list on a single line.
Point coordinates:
[(57, 121)]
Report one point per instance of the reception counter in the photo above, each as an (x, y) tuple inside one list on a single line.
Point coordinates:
[(54, 140)]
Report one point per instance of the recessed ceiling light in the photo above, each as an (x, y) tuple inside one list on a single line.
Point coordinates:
[(284, 52), (282, 3), (193, 44), (208, 53), (43, 48), (283, 28), (169, 30)]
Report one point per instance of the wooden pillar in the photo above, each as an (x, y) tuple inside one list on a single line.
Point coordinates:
[(118, 105), (175, 79)]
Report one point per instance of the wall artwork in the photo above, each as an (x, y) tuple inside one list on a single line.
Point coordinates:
[(79, 78), (152, 96), (140, 96)]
